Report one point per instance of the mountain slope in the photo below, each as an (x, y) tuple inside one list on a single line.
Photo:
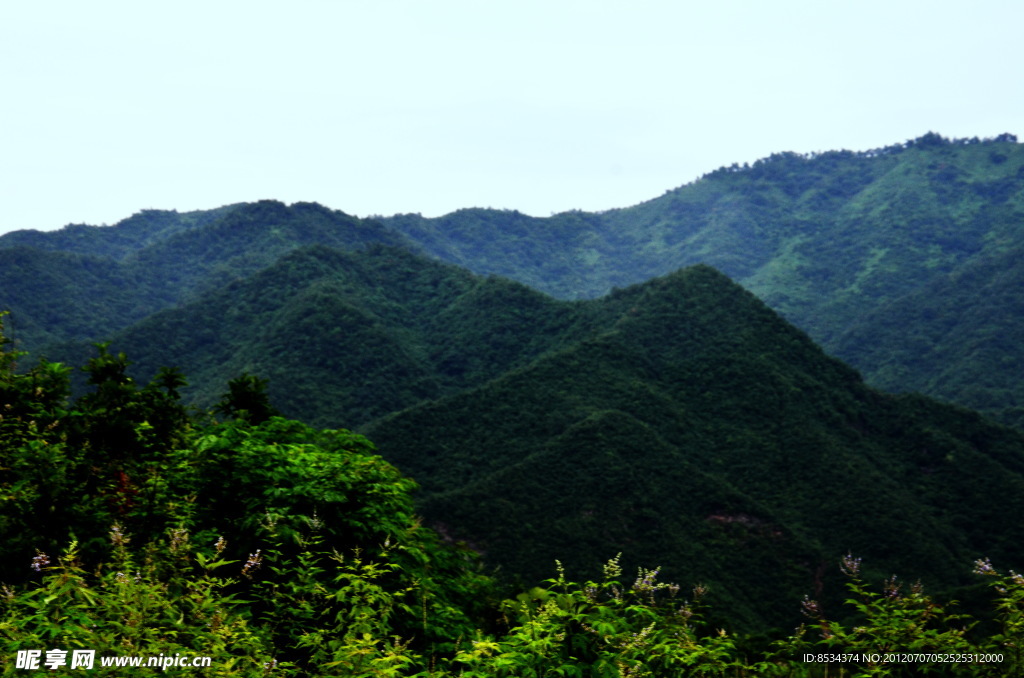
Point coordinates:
[(59, 296), (703, 433), (840, 243), (832, 241), (680, 421), (100, 280), (347, 337), (958, 338)]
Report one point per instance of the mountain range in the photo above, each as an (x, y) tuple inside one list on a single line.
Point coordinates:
[(657, 382), (846, 245)]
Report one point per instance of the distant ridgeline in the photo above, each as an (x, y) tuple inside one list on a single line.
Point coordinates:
[(931, 139), (626, 395), (903, 261)]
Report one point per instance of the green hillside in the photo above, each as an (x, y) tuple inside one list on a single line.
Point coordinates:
[(680, 421), (242, 544), (701, 431), (85, 283), (958, 338), (348, 336), (832, 241), (841, 243), (60, 296)]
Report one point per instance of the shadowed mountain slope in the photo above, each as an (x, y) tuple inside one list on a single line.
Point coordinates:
[(834, 241), (680, 421), (346, 337), (841, 243), (702, 432), (85, 283)]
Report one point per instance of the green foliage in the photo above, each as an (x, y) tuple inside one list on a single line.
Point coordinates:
[(132, 608), (875, 254), (67, 469), (143, 484), (700, 430), (900, 620), (247, 399), (277, 548), (130, 425), (603, 629), (327, 614)]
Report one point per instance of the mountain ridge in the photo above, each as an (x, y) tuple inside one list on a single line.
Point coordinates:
[(679, 420), (841, 243), (759, 448)]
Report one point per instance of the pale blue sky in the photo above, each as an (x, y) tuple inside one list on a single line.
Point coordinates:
[(386, 106)]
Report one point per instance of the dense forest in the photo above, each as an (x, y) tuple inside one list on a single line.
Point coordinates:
[(134, 528), (651, 402), (841, 243)]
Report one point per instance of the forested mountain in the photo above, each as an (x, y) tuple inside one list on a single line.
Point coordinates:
[(833, 241), (957, 338), (700, 430), (117, 242), (126, 520), (842, 243), (648, 405), (82, 283), (348, 337), (679, 421)]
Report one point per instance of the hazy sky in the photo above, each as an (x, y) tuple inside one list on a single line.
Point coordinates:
[(387, 106)]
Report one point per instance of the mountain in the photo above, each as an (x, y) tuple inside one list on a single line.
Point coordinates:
[(84, 283), (833, 241), (955, 338), (841, 243), (683, 419), (680, 421), (120, 240), (701, 432), (347, 336), (152, 512)]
